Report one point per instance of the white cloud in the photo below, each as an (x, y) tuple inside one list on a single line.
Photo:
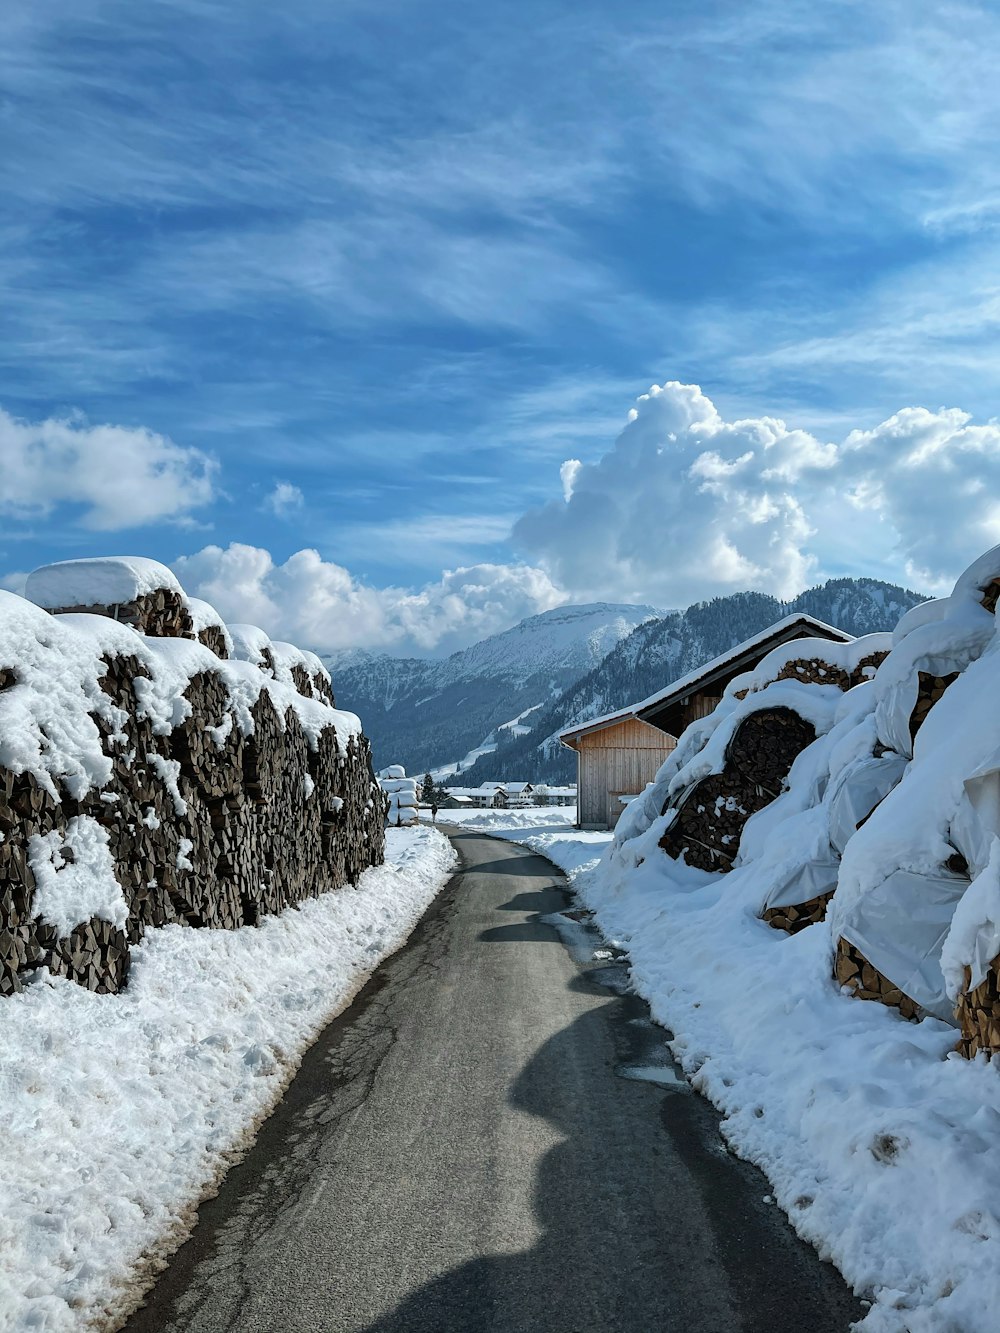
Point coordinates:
[(318, 604), (123, 477), (567, 475), (284, 500), (687, 505)]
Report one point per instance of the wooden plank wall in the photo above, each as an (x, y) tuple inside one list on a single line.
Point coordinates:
[(617, 761)]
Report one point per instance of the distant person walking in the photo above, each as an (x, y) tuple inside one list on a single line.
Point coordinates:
[(434, 812)]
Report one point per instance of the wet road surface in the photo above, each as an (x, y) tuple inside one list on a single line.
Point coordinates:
[(493, 1138)]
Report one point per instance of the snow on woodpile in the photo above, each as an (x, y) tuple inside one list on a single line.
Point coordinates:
[(403, 798), (733, 764), (139, 592), (146, 778), (209, 628), (861, 783)]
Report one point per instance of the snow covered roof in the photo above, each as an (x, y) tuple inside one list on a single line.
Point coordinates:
[(791, 627), (106, 581), (795, 626)]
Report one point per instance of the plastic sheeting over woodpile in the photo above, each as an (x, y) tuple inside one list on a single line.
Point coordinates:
[(144, 779), (888, 822)]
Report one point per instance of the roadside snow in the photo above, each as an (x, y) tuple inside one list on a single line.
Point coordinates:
[(123, 1112), (881, 1144)]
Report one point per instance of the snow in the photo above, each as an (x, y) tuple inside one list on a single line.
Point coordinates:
[(249, 643), (204, 616), (47, 724), (129, 1109), (102, 581), (75, 877)]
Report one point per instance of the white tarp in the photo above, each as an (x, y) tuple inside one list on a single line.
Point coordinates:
[(857, 790), (900, 926), (805, 882)]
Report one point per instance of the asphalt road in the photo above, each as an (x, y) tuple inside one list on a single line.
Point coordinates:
[(475, 1145)]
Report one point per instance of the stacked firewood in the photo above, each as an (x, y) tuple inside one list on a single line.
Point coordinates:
[(819, 671), (868, 983), (213, 637), (162, 614), (795, 918), (814, 671), (931, 689), (206, 825), (710, 818), (978, 1014), (866, 667)]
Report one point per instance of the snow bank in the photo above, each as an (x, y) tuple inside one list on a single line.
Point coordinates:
[(129, 1110)]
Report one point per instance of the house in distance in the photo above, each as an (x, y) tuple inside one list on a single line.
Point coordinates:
[(618, 754)]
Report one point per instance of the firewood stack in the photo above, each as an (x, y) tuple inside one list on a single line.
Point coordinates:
[(162, 614), (868, 983), (931, 689), (214, 821), (978, 1014), (795, 918), (710, 819)]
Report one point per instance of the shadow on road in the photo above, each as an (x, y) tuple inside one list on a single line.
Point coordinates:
[(612, 1256)]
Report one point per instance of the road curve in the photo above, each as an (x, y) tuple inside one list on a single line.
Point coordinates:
[(460, 1153)]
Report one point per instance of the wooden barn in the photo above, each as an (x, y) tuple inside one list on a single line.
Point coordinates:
[(619, 754), (616, 756)]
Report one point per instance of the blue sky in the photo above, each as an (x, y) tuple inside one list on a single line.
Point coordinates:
[(358, 279)]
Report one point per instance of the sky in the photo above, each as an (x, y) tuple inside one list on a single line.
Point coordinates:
[(387, 324)]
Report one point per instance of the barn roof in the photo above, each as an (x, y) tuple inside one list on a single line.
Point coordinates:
[(660, 708)]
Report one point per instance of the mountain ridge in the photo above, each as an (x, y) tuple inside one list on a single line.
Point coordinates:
[(659, 652), (422, 712)]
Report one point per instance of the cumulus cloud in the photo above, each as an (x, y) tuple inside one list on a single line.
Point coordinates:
[(687, 505), (567, 475), (319, 604), (284, 500), (122, 477)]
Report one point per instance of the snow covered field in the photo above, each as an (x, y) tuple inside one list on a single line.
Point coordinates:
[(882, 1145), (122, 1112)]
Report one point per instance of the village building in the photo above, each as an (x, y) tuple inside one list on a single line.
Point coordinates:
[(510, 795), (618, 754)]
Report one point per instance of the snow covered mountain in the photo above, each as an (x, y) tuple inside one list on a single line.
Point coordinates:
[(429, 714), (660, 651)]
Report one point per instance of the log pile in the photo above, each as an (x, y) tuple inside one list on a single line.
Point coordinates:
[(208, 824), (865, 982), (710, 819), (213, 637), (814, 671), (867, 666), (796, 918), (162, 614), (819, 671), (991, 595), (978, 1014), (931, 688)]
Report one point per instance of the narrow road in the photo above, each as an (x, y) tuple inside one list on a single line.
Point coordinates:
[(492, 1138)]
